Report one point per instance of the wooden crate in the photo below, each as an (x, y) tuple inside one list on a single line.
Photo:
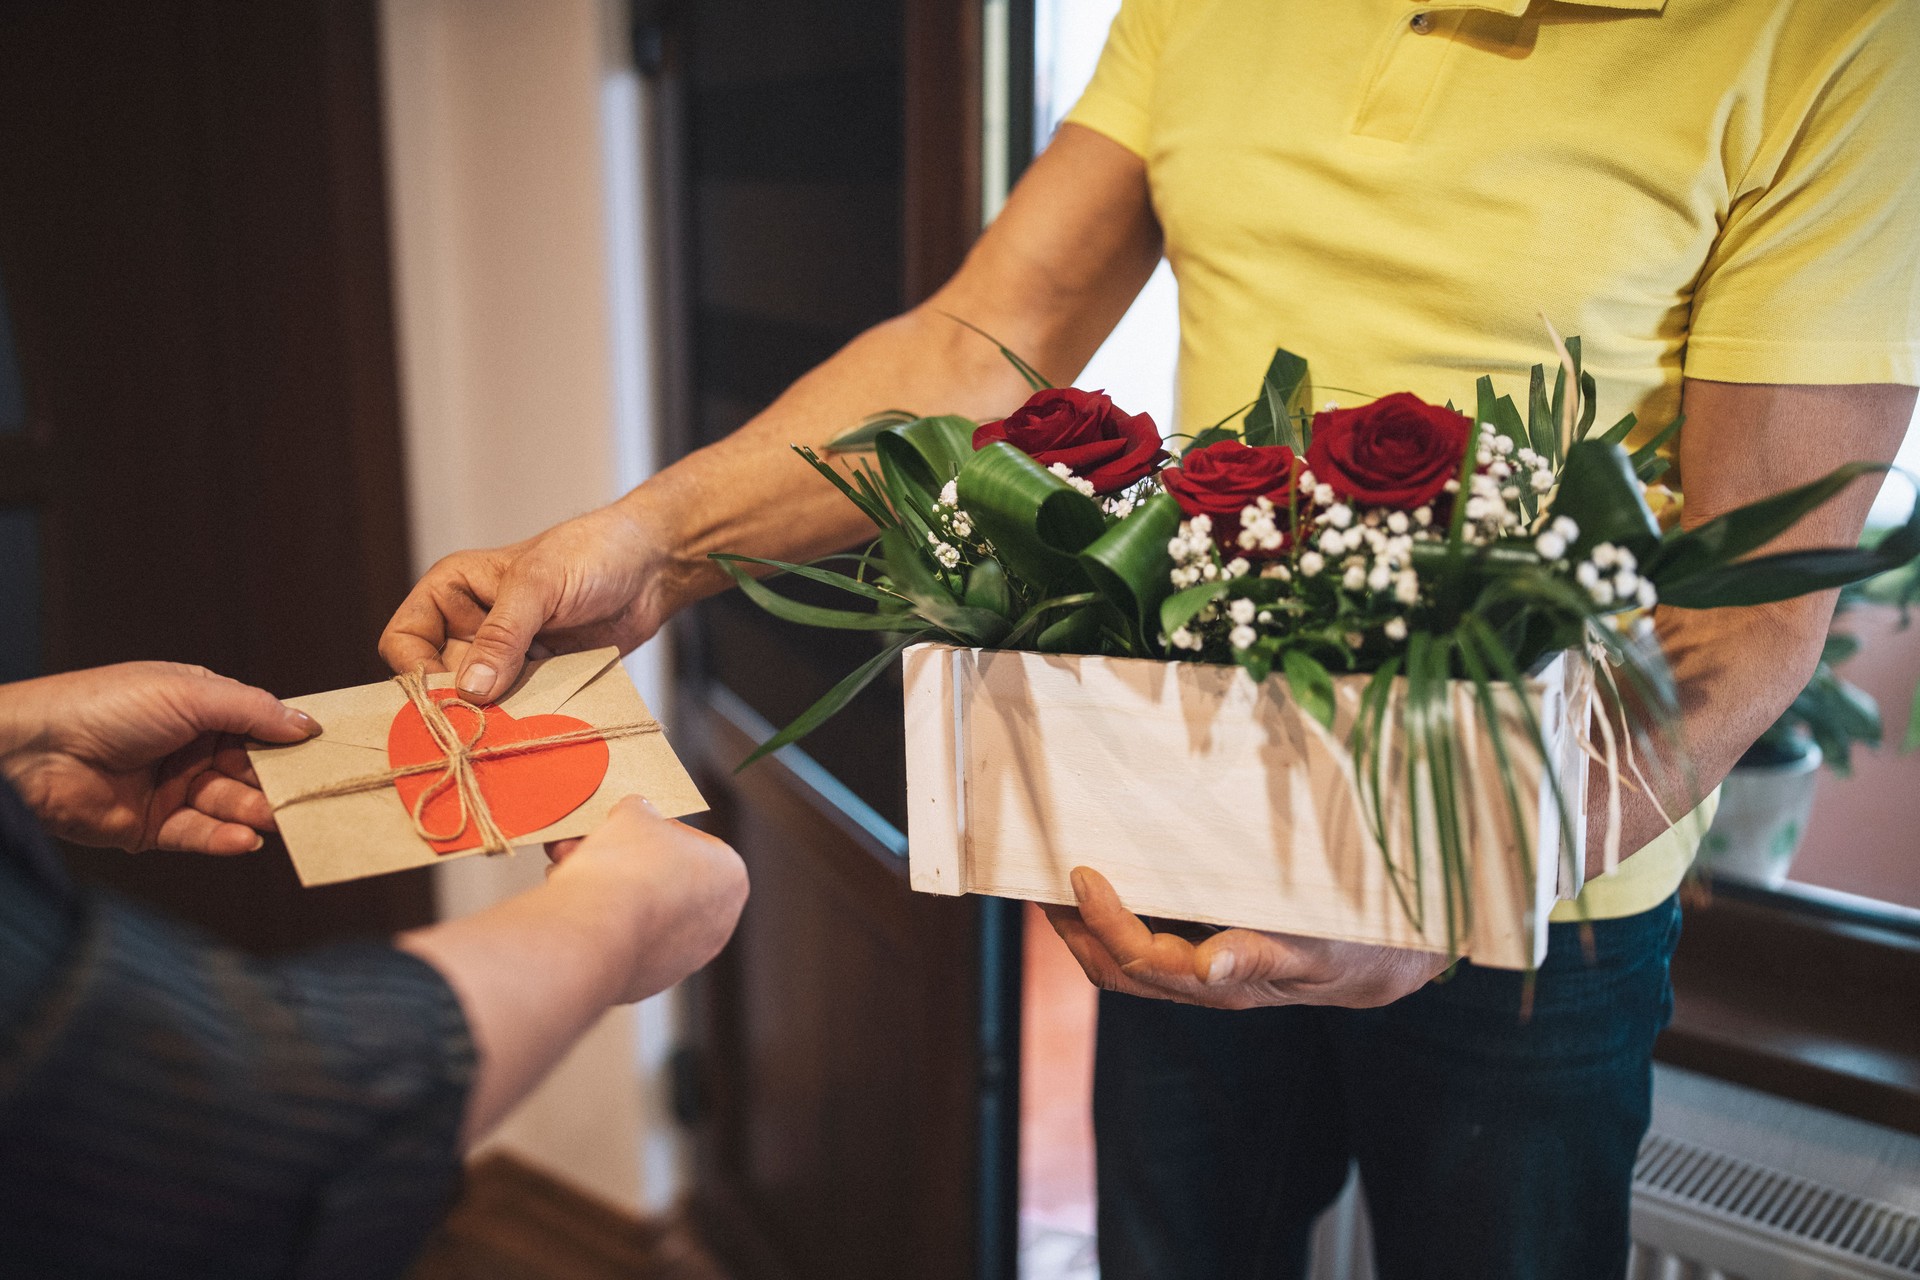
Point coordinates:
[(1204, 796)]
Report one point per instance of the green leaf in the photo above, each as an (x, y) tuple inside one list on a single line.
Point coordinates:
[(836, 698), (1130, 567), (1078, 632), (813, 615), (1212, 435), (1037, 522), (915, 579), (828, 577), (1647, 462), (1311, 685), (1619, 431), (1025, 370), (1031, 619), (987, 588), (925, 453), (1178, 609), (861, 495), (1599, 492), (861, 438), (1711, 548), (1912, 741), (1589, 404), (1284, 392), (1541, 430)]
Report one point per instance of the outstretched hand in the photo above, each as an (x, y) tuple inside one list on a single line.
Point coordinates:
[(480, 614), (1233, 969), (144, 755)]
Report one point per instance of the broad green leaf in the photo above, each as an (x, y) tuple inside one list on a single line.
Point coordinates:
[(1212, 435), (1599, 492), (1178, 609), (926, 452), (813, 615), (1037, 522), (1078, 632), (1619, 431), (837, 697), (1311, 685), (1284, 392), (987, 588), (1130, 567), (1032, 618)]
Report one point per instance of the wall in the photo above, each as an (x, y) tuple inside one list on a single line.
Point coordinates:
[(512, 130)]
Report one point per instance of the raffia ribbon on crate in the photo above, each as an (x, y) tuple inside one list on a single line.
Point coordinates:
[(456, 769)]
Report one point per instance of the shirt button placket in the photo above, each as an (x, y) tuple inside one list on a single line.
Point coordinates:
[(1410, 67)]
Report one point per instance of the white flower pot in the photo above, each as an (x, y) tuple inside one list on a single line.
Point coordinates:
[(1204, 796), (1762, 820)]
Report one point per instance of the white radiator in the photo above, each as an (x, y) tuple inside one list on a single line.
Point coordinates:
[(1736, 1185)]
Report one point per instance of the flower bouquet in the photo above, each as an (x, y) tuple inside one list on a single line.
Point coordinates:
[(1337, 672)]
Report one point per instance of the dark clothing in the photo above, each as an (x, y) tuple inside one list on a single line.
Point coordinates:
[(170, 1107), (1490, 1147)]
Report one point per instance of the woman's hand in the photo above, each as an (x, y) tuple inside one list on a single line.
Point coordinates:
[(144, 755), (1233, 969)]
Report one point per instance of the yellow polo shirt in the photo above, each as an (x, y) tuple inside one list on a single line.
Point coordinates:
[(1725, 189)]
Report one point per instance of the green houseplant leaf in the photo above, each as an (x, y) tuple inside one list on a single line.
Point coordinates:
[(1285, 394), (1037, 522)]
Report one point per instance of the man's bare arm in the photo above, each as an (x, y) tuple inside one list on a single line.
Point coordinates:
[(1738, 669), (1050, 278)]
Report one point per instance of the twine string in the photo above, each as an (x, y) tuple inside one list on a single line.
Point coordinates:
[(459, 753)]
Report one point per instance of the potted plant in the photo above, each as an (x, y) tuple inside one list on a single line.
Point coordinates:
[(1766, 800)]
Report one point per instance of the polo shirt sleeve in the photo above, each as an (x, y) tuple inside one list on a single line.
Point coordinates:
[(1116, 101), (1815, 276)]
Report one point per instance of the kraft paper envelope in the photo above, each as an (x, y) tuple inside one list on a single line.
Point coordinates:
[(371, 832)]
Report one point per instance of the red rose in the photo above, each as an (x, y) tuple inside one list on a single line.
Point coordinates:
[(1398, 451), (1224, 478), (1086, 431)]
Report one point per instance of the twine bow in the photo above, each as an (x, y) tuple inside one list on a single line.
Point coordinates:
[(456, 768)]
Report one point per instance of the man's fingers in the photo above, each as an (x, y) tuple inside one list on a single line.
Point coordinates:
[(1242, 955), (441, 608), (230, 800), (501, 640), (190, 831), (1121, 932), (215, 704), (1100, 967)]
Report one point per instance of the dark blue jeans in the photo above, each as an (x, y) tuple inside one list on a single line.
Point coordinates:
[(1491, 1146)]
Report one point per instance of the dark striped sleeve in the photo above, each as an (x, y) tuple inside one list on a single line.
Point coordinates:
[(169, 1107)]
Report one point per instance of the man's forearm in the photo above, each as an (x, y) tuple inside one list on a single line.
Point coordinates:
[(751, 494), (1735, 671)]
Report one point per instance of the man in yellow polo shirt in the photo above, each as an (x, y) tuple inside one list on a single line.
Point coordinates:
[(1720, 198)]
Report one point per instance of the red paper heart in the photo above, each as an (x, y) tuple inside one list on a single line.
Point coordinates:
[(525, 791)]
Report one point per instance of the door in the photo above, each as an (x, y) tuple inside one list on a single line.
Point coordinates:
[(199, 422), (852, 1072)]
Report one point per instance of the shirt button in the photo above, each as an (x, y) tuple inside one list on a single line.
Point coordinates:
[(1421, 23)]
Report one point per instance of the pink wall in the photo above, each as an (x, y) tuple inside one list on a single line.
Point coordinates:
[(1864, 836)]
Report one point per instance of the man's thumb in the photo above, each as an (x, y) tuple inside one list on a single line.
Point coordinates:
[(500, 644)]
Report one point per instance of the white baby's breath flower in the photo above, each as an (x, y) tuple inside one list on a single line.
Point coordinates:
[(1586, 574), (1333, 542), (947, 554), (1451, 486), (1379, 578), (1540, 481), (1396, 629), (1339, 515), (1330, 406), (1311, 563), (1624, 561), (1550, 545), (1406, 587), (1423, 516), (1606, 555), (1566, 528), (1177, 548), (1277, 571), (1241, 611), (950, 494), (1202, 525), (1183, 639), (1396, 522), (962, 524), (1626, 584), (1239, 567), (1241, 637), (1648, 595), (1355, 578), (1602, 593), (1322, 494)]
